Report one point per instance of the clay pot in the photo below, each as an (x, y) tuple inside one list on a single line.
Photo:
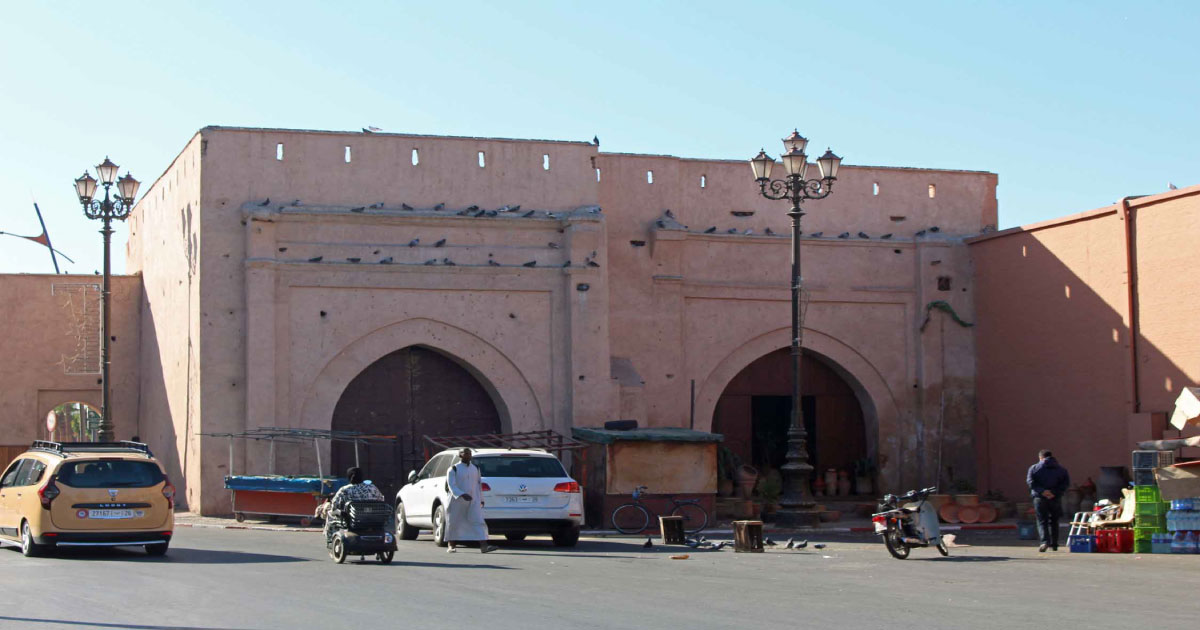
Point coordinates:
[(970, 500), (725, 488), (1112, 480), (830, 482), (938, 500), (949, 512), (987, 513), (968, 514), (843, 487), (829, 516), (1004, 509), (745, 476), (819, 487)]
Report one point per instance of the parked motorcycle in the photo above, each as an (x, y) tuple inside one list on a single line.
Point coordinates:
[(909, 521)]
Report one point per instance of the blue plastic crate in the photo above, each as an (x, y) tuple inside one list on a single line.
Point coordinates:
[(1082, 543), (1027, 530)]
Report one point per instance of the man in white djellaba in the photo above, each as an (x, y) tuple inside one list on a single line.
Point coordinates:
[(464, 515)]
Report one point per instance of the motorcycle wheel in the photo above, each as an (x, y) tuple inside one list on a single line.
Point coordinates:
[(338, 550), (895, 545), (941, 547)]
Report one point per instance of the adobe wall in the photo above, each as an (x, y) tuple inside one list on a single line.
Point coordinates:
[(50, 352), (164, 248), (1054, 337)]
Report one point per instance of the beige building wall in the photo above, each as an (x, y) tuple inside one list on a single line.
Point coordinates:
[(1085, 335), (50, 352)]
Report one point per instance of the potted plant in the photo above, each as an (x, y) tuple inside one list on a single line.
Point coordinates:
[(770, 487), (964, 493), (727, 462)]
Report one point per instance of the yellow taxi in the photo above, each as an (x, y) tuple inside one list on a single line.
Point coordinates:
[(86, 494)]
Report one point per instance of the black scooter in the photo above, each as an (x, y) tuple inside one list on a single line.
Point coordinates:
[(361, 528)]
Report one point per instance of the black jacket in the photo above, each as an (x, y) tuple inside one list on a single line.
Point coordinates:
[(1047, 475)]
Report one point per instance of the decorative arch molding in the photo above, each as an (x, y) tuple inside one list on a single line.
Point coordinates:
[(512, 394), (881, 413)]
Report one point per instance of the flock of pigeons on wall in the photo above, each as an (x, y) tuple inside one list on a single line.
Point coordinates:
[(669, 221)]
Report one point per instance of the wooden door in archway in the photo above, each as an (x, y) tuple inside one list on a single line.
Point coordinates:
[(410, 393)]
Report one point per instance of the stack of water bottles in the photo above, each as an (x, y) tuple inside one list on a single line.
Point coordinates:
[(1183, 523)]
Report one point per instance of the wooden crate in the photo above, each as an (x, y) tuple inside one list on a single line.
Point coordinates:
[(672, 530), (748, 536)]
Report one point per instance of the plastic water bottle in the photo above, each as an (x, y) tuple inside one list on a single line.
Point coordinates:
[(1189, 543), (1171, 520), (1177, 543)]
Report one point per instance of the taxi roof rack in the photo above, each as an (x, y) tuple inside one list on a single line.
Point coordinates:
[(63, 448)]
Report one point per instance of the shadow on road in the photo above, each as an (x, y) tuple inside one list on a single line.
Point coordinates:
[(177, 555), (97, 624), (969, 559)]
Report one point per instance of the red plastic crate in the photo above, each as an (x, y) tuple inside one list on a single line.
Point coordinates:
[(1114, 541)]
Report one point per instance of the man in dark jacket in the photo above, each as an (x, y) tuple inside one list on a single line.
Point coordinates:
[(1047, 482)]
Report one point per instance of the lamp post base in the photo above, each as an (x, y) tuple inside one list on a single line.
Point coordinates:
[(800, 517)]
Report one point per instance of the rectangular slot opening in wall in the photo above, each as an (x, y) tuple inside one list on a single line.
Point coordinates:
[(932, 191), (597, 174), (703, 181), (416, 157), (649, 177), (875, 189), (482, 161), (896, 218), (347, 154), (545, 161), (279, 152)]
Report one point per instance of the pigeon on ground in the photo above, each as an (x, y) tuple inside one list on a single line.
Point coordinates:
[(386, 261), (414, 242), (439, 206), (592, 263), (844, 235), (769, 232), (358, 209), (283, 249), (647, 544), (670, 215), (405, 206), (516, 208), (816, 234), (919, 233), (431, 261), (886, 236), (493, 263), (719, 546), (440, 243), (315, 259), (266, 202), (377, 206), (768, 542), (375, 252), (448, 262), (490, 213), (295, 202), (478, 213), (863, 235), (819, 546), (660, 223), (527, 214), (567, 264), (532, 263), (935, 229), (354, 260), (691, 543), (462, 213), (731, 231), (552, 245), (791, 542), (711, 230), (472, 208), (552, 215), (802, 544), (748, 232)]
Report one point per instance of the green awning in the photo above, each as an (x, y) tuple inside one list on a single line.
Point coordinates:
[(652, 434)]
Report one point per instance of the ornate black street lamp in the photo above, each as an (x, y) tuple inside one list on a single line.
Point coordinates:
[(796, 504), (115, 207)]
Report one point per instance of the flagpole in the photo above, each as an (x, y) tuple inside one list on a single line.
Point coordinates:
[(46, 234)]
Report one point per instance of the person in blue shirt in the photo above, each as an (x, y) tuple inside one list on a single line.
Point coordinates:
[(1047, 482)]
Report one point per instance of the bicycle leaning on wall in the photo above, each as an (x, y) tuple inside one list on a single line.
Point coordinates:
[(634, 517)]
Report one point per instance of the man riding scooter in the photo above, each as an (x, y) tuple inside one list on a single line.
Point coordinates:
[(359, 521)]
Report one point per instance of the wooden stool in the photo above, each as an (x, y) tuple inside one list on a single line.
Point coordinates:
[(672, 529), (748, 536)]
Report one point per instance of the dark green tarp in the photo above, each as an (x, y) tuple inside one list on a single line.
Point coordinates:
[(653, 434)]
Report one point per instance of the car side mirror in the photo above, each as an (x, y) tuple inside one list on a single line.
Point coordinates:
[(412, 476)]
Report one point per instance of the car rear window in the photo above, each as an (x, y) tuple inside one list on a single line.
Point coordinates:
[(517, 466), (112, 473)]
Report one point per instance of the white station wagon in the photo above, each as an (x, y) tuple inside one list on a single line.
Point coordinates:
[(525, 492)]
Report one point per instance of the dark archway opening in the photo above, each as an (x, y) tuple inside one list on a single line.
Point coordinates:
[(410, 393), (754, 412)]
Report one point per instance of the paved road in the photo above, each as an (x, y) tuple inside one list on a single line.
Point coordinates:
[(239, 579)]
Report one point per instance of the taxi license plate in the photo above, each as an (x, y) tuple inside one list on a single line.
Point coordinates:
[(113, 514), (520, 499)]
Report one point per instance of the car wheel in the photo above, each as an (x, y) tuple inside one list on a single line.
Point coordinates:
[(157, 550), (566, 537), (404, 531), (29, 548), (439, 525), (514, 537)]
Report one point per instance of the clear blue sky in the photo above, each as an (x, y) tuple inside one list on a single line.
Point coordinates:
[(1074, 104)]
